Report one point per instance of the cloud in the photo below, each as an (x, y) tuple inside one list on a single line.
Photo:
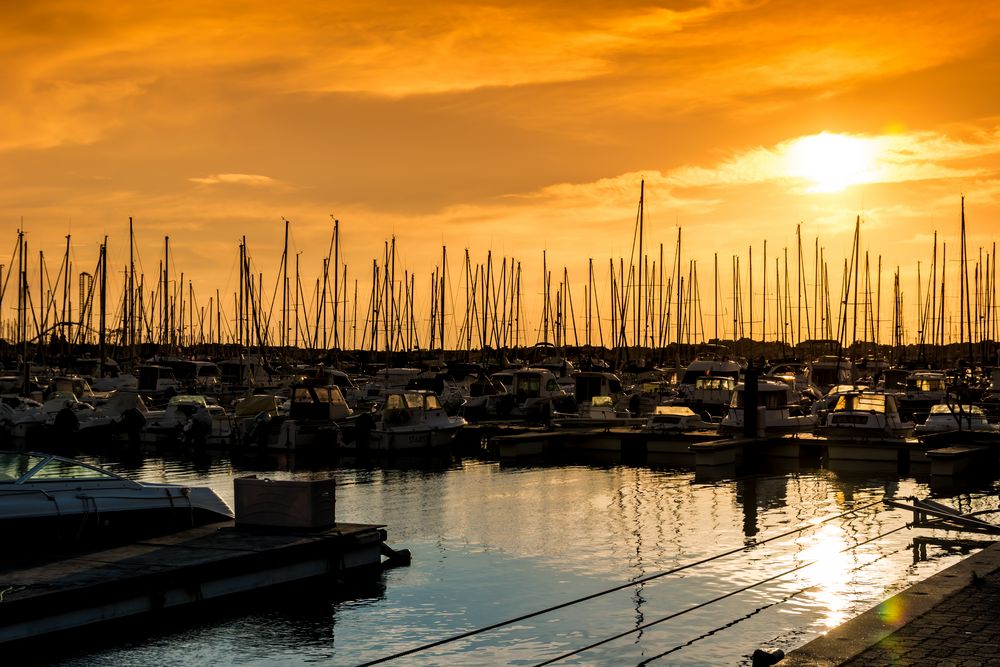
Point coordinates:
[(896, 158), (253, 180), (74, 71)]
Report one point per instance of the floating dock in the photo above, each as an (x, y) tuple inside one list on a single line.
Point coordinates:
[(719, 456), (209, 563)]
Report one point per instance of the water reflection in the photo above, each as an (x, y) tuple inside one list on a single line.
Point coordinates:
[(492, 542)]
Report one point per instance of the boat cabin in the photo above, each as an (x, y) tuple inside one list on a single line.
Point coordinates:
[(156, 379), (73, 384), (589, 384), (535, 383), (714, 367), (408, 406), (317, 402)]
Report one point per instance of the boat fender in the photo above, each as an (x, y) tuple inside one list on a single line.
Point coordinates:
[(394, 557), (762, 658)]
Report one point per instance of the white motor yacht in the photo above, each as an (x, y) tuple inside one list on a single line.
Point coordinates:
[(953, 423), (413, 419), (675, 419), (778, 410), (865, 414)]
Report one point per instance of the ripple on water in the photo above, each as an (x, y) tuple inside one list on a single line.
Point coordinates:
[(492, 542)]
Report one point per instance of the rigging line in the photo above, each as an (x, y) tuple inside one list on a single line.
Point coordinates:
[(635, 582), (756, 611), (706, 603)]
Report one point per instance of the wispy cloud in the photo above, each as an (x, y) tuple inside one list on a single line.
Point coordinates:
[(894, 158), (253, 180)]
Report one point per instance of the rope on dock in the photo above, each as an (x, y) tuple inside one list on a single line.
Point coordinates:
[(592, 596)]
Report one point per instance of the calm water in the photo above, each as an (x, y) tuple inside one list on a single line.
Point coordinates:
[(492, 542)]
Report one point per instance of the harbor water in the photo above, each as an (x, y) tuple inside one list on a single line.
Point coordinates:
[(799, 552)]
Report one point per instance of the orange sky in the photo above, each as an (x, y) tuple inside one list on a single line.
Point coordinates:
[(492, 127)]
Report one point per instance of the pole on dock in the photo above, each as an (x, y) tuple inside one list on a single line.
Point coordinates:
[(750, 392)]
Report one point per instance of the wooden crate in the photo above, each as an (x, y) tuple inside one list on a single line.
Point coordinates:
[(271, 503)]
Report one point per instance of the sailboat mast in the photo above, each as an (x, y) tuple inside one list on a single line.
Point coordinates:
[(640, 328), (444, 270)]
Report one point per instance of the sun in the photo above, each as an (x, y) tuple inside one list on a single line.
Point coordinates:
[(831, 162)]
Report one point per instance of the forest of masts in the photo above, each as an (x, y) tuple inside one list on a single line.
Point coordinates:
[(644, 302)]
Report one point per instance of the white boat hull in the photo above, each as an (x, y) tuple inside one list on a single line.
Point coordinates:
[(412, 438)]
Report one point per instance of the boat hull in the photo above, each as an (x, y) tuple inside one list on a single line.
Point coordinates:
[(411, 439)]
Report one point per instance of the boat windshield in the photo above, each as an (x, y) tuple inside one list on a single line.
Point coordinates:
[(19, 468), (925, 384), (870, 402), (15, 465), (715, 382), (408, 401), (945, 409)]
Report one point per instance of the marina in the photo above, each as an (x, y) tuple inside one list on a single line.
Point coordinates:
[(492, 540), (472, 334)]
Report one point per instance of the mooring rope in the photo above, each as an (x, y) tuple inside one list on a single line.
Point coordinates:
[(700, 605), (635, 582)]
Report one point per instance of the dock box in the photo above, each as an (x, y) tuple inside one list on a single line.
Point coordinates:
[(271, 503)]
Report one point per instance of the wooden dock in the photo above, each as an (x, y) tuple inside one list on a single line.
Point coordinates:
[(210, 563)]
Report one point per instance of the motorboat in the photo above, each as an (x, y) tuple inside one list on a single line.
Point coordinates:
[(598, 412), (483, 392), (537, 394), (62, 414), (864, 415), (413, 419), (190, 419), (830, 370), (710, 394), (316, 416), (51, 502), (675, 419), (954, 423), (779, 410), (924, 389)]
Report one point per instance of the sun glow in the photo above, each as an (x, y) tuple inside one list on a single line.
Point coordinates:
[(831, 162)]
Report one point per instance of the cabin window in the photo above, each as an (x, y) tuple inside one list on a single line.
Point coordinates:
[(551, 385), (865, 402), (323, 394), (414, 401), (302, 395), (394, 402), (432, 402), (528, 384)]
